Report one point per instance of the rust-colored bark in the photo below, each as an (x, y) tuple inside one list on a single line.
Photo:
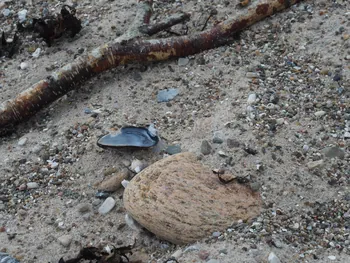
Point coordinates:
[(124, 51)]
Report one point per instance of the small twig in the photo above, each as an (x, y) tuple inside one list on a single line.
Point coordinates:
[(211, 14), (165, 24), (115, 53)]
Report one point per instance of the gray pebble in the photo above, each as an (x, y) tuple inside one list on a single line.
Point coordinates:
[(183, 61), (65, 240), (334, 152), (107, 206), (273, 258), (32, 185), (22, 141), (218, 138), (84, 208), (205, 147), (173, 149)]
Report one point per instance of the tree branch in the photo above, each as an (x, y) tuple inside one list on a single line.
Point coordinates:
[(120, 52)]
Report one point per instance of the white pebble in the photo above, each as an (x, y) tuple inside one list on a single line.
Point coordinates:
[(315, 164), (280, 121), (36, 53), (106, 206), (320, 113), (125, 183), (23, 65), (65, 240), (251, 98), (273, 258), (332, 257), (32, 185), (22, 141), (177, 254), (22, 15)]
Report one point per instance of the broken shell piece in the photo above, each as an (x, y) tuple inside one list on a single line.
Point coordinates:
[(138, 137)]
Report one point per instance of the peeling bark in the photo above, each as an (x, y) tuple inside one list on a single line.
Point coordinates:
[(131, 48)]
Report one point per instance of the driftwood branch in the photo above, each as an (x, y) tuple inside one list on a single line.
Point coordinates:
[(130, 47)]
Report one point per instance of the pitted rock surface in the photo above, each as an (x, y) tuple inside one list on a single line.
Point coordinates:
[(181, 201)]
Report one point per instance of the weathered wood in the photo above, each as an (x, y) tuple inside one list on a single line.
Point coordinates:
[(130, 49)]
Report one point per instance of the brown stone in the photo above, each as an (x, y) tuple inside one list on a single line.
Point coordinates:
[(113, 183), (181, 201)]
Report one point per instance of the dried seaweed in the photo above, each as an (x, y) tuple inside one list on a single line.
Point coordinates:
[(111, 254), (8, 48), (54, 26)]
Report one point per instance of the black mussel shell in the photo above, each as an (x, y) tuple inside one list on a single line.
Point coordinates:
[(138, 137)]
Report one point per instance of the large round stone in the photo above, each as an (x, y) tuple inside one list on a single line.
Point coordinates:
[(181, 201)]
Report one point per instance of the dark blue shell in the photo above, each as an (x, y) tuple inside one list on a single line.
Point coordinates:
[(138, 137)]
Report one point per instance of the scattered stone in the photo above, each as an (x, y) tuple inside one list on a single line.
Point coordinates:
[(65, 240), (280, 121), (36, 53), (137, 165), (158, 189), (173, 149), (251, 98), (203, 254), (24, 65), (167, 95), (315, 164), (334, 152), (273, 258), (216, 234), (222, 154), (213, 261), (332, 257), (252, 75), (177, 254), (137, 76), (319, 114), (106, 206), (183, 62), (84, 208), (205, 147), (32, 185), (113, 183), (191, 248), (22, 141), (217, 138), (233, 143)]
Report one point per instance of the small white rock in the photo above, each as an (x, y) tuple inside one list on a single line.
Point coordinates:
[(315, 164), (36, 53), (22, 141), (273, 258), (251, 98), (23, 65), (32, 185), (320, 113), (280, 121), (22, 15), (107, 206), (137, 166), (125, 183), (332, 257), (65, 240), (177, 254)]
